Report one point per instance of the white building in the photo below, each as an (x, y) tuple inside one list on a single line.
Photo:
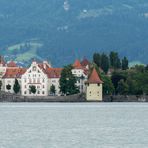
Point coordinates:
[(35, 76), (2, 67), (9, 78), (81, 74), (41, 76), (54, 75)]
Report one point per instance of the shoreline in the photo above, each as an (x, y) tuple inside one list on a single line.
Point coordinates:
[(8, 97)]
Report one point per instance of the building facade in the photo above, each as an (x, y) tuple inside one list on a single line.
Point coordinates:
[(34, 76), (94, 87), (81, 74), (42, 77)]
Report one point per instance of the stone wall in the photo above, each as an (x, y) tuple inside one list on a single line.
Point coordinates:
[(126, 98), (8, 97)]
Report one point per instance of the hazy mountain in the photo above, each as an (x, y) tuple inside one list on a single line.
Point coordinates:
[(61, 31)]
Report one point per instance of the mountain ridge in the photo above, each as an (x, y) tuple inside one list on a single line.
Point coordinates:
[(73, 29)]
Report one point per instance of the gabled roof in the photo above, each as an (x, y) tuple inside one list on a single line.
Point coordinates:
[(77, 64), (94, 78), (85, 62), (14, 73), (11, 64)]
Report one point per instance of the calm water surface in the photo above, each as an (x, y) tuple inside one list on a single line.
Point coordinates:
[(94, 125)]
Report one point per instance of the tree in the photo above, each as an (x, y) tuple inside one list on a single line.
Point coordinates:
[(32, 89), (115, 60), (146, 67), (97, 59), (118, 64), (124, 63), (68, 81), (105, 63), (134, 88), (8, 87), (1, 84), (140, 68), (116, 77), (16, 86), (122, 88), (52, 89), (108, 87)]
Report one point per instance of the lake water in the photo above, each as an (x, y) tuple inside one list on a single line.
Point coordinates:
[(76, 125)]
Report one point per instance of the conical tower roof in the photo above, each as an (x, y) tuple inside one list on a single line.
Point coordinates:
[(77, 64), (94, 78)]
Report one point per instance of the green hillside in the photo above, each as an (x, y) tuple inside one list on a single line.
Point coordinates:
[(73, 29)]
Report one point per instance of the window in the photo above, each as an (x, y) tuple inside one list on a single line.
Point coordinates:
[(38, 80), (98, 93), (43, 80), (43, 92), (38, 92), (25, 92), (34, 68), (43, 86), (90, 93)]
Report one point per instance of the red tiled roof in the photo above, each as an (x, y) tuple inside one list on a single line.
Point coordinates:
[(14, 73), (94, 78), (11, 64), (41, 65), (85, 62), (54, 72), (77, 64)]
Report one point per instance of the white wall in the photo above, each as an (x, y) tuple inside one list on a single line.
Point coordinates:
[(56, 83), (34, 76), (94, 92), (10, 81), (78, 73)]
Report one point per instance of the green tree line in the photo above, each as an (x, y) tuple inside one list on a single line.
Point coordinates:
[(112, 60)]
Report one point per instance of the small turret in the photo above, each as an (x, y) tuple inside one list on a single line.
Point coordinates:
[(94, 87)]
